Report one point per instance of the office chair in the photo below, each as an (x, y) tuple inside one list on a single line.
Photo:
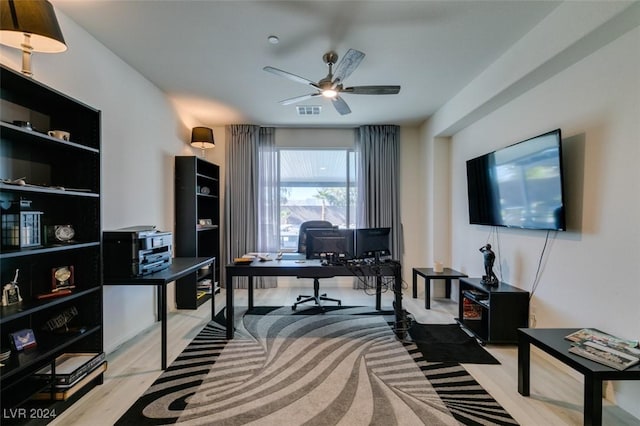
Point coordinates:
[(302, 248)]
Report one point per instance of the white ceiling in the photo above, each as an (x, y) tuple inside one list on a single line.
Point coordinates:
[(208, 55)]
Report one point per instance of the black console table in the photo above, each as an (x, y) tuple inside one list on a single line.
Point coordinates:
[(180, 267), (429, 274), (552, 341), (492, 313)]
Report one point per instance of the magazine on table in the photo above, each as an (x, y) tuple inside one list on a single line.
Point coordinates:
[(604, 348), (604, 355)]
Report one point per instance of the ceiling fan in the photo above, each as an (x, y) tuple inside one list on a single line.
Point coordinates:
[(331, 86)]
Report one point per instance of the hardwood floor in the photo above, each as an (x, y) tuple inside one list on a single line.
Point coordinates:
[(556, 392)]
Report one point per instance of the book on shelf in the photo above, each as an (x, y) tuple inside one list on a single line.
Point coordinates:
[(476, 294), (70, 367), (604, 348), (204, 285), (62, 393)]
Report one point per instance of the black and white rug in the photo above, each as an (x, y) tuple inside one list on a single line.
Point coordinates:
[(344, 367)]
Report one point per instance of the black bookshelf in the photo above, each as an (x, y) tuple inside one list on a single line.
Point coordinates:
[(61, 182), (197, 226)]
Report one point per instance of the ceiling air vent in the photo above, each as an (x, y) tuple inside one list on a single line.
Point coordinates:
[(308, 109)]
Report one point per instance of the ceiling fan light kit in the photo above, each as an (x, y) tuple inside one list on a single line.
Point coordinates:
[(331, 86)]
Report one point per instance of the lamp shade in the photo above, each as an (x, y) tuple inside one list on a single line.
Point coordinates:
[(35, 18), (202, 137)]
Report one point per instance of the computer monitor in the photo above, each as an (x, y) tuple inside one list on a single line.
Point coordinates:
[(337, 243), (373, 243)]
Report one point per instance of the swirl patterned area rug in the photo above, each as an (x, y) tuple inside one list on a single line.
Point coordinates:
[(345, 367)]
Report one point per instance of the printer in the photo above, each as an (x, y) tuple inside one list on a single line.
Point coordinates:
[(136, 251)]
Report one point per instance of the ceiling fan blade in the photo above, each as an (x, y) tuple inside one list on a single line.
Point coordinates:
[(346, 66), (340, 105), (298, 99), (290, 76), (372, 90)]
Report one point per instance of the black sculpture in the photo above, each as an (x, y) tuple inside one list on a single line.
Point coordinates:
[(489, 277)]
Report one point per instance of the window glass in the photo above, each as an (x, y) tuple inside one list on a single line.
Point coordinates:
[(315, 185)]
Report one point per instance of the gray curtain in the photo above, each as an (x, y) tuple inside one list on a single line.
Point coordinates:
[(243, 193), (269, 192), (378, 154)]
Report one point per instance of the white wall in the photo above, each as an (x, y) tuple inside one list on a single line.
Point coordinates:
[(140, 135), (591, 90)]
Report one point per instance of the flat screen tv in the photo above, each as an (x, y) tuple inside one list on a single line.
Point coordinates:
[(520, 186), (373, 243), (329, 241)]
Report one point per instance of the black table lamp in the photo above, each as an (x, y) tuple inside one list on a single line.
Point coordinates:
[(202, 137), (30, 26)]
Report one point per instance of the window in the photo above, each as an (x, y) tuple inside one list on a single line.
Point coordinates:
[(315, 185)]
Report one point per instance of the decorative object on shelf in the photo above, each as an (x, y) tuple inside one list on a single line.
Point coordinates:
[(60, 322), (489, 277), (62, 278), (205, 222), (5, 354), (23, 339), (30, 26), (202, 137), (24, 124), (21, 226), (59, 233), (70, 367), (205, 190), (59, 134), (11, 292)]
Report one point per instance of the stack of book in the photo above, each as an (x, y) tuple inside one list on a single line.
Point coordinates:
[(604, 348), (73, 371), (205, 285)]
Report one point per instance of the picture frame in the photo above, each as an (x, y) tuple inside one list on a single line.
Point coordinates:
[(23, 339), (11, 294)]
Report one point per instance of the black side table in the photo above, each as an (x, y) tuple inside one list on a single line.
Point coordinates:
[(552, 341), (429, 274)]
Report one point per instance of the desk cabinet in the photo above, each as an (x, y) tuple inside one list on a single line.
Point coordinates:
[(197, 227), (493, 314), (62, 183)]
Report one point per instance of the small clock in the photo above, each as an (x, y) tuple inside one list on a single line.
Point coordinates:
[(62, 277)]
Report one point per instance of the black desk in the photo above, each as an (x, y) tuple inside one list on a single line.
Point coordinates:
[(552, 341), (290, 267), (180, 267), (429, 274)]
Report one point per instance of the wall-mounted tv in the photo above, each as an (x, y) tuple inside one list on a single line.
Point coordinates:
[(520, 186)]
